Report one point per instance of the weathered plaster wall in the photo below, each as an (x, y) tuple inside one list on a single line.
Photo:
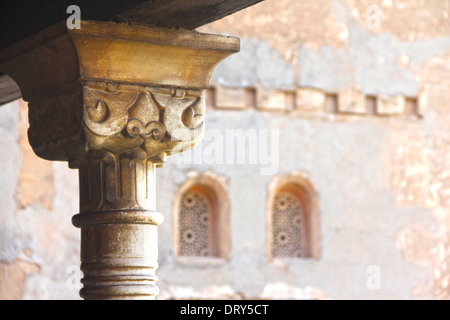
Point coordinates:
[(383, 180), (38, 244), (329, 45), (360, 219)]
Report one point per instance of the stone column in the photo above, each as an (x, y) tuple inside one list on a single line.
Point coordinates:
[(115, 101)]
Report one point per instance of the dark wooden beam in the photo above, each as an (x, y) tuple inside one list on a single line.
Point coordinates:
[(186, 14), (9, 91), (20, 19)]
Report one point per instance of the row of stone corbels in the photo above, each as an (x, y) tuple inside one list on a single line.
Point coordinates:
[(351, 101)]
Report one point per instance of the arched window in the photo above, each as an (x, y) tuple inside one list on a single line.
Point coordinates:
[(293, 221), (196, 223), (201, 218)]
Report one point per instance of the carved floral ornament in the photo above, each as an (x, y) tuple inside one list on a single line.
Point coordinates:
[(154, 121), (119, 118)]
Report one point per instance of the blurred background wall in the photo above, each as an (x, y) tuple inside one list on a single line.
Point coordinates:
[(357, 93)]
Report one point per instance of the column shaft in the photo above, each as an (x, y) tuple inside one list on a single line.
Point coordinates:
[(118, 221)]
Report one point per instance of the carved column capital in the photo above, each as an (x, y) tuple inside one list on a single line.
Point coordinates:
[(149, 122), (115, 100), (116, 87)]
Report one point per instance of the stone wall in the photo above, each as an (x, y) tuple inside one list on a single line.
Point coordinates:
[(39, 246), (310, 71)]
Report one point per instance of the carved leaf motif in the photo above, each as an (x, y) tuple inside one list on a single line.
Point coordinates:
[(109, 115), (132, 119), (97, 111), (154, 129), (188, 118), (183, 117), (55, 123), (144, 109)]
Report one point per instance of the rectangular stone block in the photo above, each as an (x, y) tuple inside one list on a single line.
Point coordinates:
[(230, 98), (310, 100), (275, 100), (388, 105), (352, 100)]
